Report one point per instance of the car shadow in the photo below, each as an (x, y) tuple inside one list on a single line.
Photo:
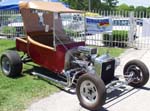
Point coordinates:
[(117, 96), (13, 48), (103, 109), (145, 88), (17, 77), (117, 93)]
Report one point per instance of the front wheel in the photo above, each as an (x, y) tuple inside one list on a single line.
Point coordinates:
[(91, 91), (136, 73)]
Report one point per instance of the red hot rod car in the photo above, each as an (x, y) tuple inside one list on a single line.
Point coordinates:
[(47, 45)]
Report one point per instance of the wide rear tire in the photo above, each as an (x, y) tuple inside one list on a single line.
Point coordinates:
[(91, 91), (136, 72), (11, 64)]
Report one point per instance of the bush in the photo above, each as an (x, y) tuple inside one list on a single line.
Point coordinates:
[(118, 39), (8, 30), (72, 33)]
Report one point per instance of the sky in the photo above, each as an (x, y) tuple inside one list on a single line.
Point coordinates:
[(145, 3)]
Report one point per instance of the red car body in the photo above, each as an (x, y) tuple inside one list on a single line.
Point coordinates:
[(37, 42), (53, 60)]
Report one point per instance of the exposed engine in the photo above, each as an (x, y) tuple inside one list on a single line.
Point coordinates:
[(86, 58), (81, 56)]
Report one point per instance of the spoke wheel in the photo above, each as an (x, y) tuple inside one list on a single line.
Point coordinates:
[(136, 73)]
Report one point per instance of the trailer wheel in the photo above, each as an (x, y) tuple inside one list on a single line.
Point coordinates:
[(11, 64), (91, 91), (136, 73)]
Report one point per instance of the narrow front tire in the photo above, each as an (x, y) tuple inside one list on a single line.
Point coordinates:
[(136, 73)]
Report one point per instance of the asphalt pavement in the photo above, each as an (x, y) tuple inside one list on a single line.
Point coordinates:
[(123, 99)]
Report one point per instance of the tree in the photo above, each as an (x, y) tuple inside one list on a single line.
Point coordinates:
[(111, 3), (123, 7), (131, 8), (77, 4), (141, 11), (148, 10), (95, 4)]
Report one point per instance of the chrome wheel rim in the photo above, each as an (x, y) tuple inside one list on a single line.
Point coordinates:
[(89, 92), (5, 65), (134, 74)]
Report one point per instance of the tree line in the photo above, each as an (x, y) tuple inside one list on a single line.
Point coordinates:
[(95, 4), (104, 5)]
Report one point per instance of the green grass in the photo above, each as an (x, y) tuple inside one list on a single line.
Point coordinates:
[(17, 94), (115, 52)]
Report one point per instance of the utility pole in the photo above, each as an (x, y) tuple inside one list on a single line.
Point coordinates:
[(89, 5)]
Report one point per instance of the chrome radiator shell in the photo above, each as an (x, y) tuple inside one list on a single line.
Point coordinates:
[(99, 61)]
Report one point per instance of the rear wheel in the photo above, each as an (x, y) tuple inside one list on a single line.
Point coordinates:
[(91, 91), (11, 64), (136, 73)]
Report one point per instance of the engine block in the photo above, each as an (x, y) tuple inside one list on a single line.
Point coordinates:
[(87, 50)]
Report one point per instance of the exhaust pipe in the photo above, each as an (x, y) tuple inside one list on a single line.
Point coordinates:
[(49, 78)]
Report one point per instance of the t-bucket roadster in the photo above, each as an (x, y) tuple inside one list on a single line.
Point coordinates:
[(78, 66)]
